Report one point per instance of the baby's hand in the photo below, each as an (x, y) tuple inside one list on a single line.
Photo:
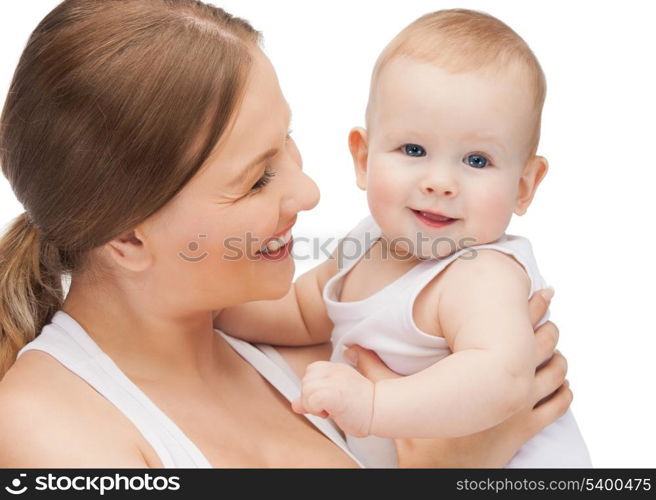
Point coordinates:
[(338, 391)]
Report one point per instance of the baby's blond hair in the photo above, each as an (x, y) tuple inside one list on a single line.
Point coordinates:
[(461, 40)]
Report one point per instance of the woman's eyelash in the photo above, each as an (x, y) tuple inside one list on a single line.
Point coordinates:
[(265, 179), (269, 173)]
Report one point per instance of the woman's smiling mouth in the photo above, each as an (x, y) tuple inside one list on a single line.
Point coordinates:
[(278, 246)]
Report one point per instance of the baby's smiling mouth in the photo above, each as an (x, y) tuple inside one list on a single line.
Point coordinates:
[(434, 216), (433, 219)]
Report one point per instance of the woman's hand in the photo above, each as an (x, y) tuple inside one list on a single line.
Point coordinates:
[(493, 447)]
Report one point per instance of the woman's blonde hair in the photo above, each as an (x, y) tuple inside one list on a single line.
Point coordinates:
[(112, 109)]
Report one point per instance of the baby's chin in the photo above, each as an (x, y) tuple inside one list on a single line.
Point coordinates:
[(421, 247), (424, 247)]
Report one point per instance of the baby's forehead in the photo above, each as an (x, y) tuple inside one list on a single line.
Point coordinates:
[(423, 99), (411, 79), (511, 73)]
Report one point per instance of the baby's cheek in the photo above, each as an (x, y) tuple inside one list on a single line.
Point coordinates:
[(383, 194), (493, 211)]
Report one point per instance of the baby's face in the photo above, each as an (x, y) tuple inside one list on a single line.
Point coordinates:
[(446, 154)]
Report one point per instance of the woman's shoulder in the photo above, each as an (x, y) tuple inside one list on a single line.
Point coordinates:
[(52, 418)]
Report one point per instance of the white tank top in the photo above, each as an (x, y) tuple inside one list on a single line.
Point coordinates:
[(66, 340), (383, 322)]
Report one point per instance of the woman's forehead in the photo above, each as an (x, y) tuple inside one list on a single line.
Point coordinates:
[(258, 125)]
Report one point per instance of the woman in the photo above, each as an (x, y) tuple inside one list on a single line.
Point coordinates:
[(134, 132)]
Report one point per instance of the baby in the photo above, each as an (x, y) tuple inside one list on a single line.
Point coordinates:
[(430, 281)]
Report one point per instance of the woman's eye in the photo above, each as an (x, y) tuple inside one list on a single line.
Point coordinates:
[(414, 150), (476, 161), (264, 180)]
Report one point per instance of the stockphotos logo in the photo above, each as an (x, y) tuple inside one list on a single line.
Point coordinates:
[(101, 484), (15, 488)]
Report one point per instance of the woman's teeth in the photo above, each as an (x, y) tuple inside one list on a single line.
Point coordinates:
[(277, 243)]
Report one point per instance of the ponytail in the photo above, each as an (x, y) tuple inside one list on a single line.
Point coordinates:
[(30, 287)]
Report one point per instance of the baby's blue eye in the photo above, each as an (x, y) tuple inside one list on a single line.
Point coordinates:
[(414, 150), (477, 161)]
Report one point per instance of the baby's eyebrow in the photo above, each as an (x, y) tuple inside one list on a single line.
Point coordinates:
[(486, 138)]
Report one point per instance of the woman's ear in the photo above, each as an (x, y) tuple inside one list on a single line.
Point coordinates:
[(534, 172), (359, 151), (128, 250)]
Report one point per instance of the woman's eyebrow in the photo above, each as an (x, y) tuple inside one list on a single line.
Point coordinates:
[(269, 153)]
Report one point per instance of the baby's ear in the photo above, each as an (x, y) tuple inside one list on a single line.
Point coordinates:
[(534, 172), (359, 146)]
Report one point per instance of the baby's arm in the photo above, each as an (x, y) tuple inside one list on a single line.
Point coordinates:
[(299, 318), (483, 314)]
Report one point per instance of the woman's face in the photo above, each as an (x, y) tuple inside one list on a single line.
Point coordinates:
[(207, 241)]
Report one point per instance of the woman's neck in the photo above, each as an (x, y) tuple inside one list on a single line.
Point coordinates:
[(146, 339)]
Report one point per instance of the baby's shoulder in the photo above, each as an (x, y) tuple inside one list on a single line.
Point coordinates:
[(472, 271), (476, 272), (481, 266)]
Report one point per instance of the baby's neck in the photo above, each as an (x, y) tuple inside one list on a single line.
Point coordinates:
[(411, 251), (397, 250)]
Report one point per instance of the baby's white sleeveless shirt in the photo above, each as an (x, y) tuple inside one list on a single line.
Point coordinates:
[(65, 340), (383, 322)]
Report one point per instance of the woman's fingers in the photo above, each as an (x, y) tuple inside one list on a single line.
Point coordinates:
[(552, 409), (539, 304), (550, 377), (368, 363), (546, 338)]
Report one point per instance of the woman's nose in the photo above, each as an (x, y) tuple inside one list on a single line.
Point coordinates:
[(302, 194), (307, 194)]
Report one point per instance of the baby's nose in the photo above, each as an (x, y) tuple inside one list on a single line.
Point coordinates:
[(442, 191), (439, 179)]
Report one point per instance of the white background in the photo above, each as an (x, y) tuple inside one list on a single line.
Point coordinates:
[(591, 222)]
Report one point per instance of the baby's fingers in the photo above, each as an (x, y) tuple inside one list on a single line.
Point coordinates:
[(322, 402), (297, 406)]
